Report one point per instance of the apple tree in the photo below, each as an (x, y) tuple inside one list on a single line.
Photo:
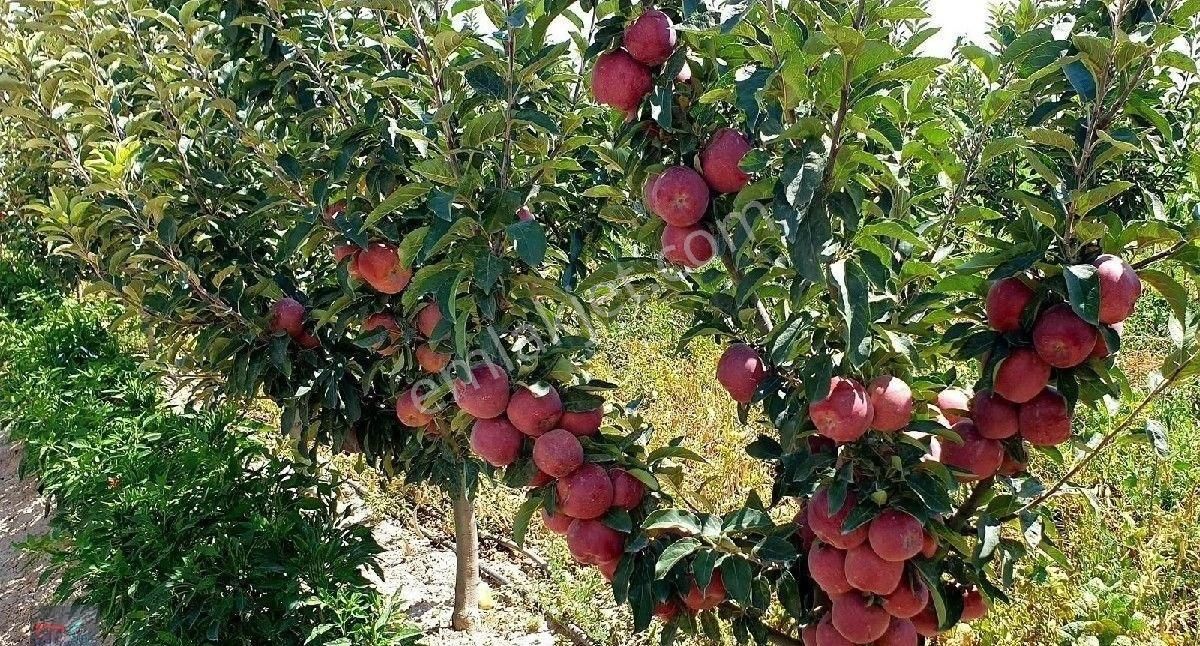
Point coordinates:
[(371, 216), (925, 268)]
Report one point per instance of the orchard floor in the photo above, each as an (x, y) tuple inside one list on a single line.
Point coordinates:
[(24, 514)]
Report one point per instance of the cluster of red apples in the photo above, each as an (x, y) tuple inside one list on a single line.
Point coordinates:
[(679, 195), (531, 421), (378, 264), (874, 597), (1022, 401)]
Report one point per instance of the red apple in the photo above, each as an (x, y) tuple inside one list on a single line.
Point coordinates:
[(1006, 302), (651, 38), (691, 247), (1061, 338), (720, 159), (845, 413), (620, 81), (1120, 288), (740, 371)]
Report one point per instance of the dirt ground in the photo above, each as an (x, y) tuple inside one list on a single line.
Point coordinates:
[(22, 513)]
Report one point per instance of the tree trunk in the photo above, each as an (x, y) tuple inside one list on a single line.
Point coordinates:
[(466, 578)]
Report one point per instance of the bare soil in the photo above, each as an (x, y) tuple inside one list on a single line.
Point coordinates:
[(23, 513)]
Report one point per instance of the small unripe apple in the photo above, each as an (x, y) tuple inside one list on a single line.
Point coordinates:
[(524, 214)]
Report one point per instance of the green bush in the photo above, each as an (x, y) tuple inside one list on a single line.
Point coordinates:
[(177, 527)]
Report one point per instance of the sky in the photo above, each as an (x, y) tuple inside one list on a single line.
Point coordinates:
[(956, 18)]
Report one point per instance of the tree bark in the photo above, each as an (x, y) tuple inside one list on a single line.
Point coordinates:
[(466, 577)]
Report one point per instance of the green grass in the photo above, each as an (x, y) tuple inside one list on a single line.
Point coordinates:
[(177, 527)]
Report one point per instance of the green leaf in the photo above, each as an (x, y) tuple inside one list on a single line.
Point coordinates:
[(1081, 79), (392, 203), (521, 520), (1083, 291), (679, 452), (488, 269), (931, 490), (676, 520), (674, 553), (1174, 293), (1088, 200), (736, 575), (775, 549), (529, 239), (997, 147), (851, 286), (486, 81), (483, 128), (1048, 137)]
